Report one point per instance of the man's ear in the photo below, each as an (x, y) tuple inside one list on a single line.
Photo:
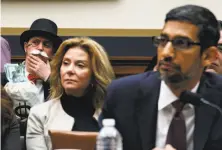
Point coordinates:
[(25, 46), (209, 56)]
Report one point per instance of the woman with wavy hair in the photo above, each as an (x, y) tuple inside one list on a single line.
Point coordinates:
[(10, 133), (81, 72)]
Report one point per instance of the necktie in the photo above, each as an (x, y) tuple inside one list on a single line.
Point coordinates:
[(32, 78), (177, 131)]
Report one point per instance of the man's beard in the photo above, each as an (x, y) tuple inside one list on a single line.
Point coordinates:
[(178, 79)]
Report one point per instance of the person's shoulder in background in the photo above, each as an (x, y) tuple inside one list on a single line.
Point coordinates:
[(152, 65), (130, 83), (4, 79), (214, 79), (5, 53), (9, 125)]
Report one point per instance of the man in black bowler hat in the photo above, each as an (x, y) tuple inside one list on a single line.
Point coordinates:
[(41, 37), (40, 43)]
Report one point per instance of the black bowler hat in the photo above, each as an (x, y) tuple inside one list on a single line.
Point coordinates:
[(42, 27)]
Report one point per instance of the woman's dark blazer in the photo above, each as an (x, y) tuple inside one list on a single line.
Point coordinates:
[(10, 134)]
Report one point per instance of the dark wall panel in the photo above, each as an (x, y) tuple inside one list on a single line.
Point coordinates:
[(115, 46)]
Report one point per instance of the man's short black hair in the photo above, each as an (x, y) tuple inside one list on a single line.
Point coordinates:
[(220, 24), (203, 18)]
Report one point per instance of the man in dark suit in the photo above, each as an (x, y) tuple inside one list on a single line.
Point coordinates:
[(146, 108)]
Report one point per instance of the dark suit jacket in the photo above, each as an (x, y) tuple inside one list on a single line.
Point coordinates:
[(10, 136), (133, 101)]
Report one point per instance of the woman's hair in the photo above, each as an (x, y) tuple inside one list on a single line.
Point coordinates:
[(6, 106), (102, 71)]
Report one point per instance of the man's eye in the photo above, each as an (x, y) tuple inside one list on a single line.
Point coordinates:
[(219, 47), (180, 42), (48, 45), (163, 40), (35, 41)]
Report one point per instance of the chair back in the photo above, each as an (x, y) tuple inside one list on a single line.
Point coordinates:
[(73, 139)]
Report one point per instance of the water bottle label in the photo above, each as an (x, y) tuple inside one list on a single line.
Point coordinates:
[(106, 144)]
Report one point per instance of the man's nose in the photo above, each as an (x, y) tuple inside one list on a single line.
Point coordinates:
[(218, 54), (40, 46), (168, 52)]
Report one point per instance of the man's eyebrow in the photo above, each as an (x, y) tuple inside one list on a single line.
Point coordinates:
[(177, 36), (47, 41), (164, 34), (35, 38)]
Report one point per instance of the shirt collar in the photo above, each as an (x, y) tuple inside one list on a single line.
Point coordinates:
[(167, 96)]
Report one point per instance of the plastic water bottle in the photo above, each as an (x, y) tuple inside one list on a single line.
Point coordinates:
[(109, 137)]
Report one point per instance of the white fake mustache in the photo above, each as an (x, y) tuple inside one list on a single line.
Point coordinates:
[(38, 52)]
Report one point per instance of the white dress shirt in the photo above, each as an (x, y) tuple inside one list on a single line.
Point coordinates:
[(39, 88), (166, 112)]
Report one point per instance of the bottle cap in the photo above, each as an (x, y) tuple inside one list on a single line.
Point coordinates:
[(108, 122)]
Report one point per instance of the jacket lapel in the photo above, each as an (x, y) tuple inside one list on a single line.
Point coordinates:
[(60, 120), (204, 114), (147, 110), (46, 87), (56, 119)]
